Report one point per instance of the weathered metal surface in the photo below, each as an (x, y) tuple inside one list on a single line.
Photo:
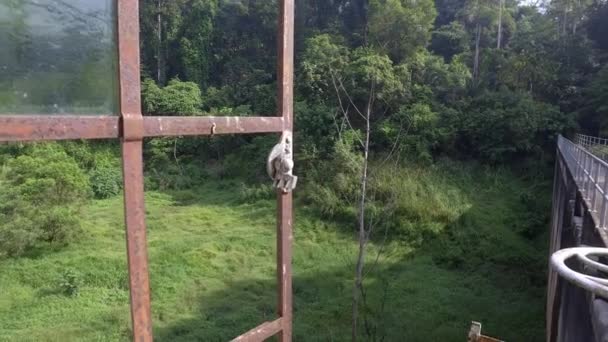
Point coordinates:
[(596, 145), (285, 70), (599, 314), (132, 127), (284, 251), (285, 200), (476, 336), (578, 220), (45, 127), (591, 283), (137, 255), (562, 191), (158, 126), (69, 127), (261, 332), (591, 176), (133, 178)]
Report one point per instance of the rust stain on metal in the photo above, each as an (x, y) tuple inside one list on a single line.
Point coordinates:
[(285, 200), (163, 126), (45, 127), (133, 177), (261, 332), (132, 127), (284, 255)]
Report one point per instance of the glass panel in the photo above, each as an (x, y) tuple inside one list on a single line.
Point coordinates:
[(58, 57)]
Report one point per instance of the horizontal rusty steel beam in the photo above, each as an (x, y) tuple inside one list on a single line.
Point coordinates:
[(163, 126), (70, 127), (261, 332), (52, 127)]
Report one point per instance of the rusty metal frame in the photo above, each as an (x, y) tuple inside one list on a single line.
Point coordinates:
[(131, 127)]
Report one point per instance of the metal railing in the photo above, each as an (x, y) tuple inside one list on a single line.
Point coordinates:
[(597, 146), (590, 173), (578, 221)]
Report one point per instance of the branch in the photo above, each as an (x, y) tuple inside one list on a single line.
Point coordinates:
[(345, 112), (350, 99)]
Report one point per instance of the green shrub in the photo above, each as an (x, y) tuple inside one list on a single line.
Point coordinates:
[(502, 126), (43, 191), (176, 98), (69, 283), (333, 186), (106, 181)]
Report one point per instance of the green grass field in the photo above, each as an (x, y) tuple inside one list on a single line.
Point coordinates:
[(212, 272)]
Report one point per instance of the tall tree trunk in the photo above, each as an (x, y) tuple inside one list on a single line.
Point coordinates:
[(358, 286), (499, 38), (476, 60), (160, 56)]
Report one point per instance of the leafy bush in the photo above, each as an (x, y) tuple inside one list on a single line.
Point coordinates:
[(501, 126), (169, 165), (333, 186), (69, 283), (106, 181), (176, 98), (43, 191), (101, 161)]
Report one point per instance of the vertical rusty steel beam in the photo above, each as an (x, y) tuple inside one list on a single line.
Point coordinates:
[(132, 167), (285, 72)]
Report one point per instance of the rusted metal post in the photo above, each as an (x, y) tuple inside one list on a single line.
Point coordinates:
[(132, 166), (285, 200)]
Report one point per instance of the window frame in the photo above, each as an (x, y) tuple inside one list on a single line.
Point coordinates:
[(131, 127)]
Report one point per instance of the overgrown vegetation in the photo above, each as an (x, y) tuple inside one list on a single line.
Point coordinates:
[(427, 127), (212, 267)]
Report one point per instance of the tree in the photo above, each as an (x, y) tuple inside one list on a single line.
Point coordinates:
[(177, 98), (365, 84), (594, 114), (161, 21), (196, 39), (399, 27)]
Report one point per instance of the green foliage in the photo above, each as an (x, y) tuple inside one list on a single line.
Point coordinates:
[(316, 137), (450, 40), (249, 161), (106, 181), (333, 186), (195, 44), (69, 283), (176, 98), (596, 109), (401, 27), (250, 194), (212, 269), (101, 161), (43, 191), (371, 70), (500, 126), (166, 169), (423, 131), (323, 63), (445, 81)]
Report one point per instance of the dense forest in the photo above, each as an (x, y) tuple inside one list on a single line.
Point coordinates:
[(425, 135)]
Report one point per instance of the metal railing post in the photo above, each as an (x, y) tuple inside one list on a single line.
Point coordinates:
[(285, 200), (132, 165)]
